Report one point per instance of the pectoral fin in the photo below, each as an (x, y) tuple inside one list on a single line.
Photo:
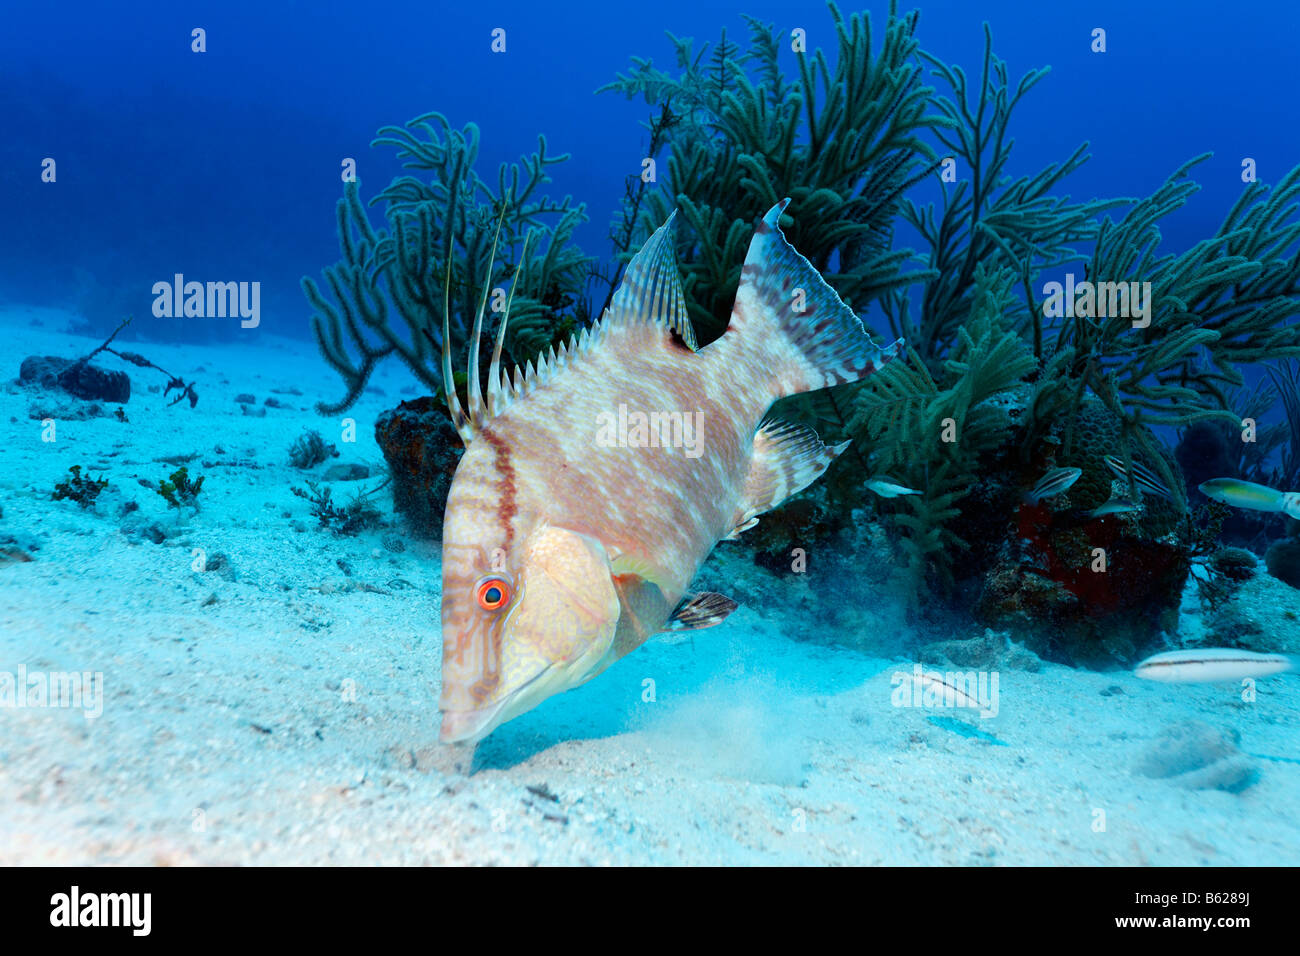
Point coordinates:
[(699, 611)]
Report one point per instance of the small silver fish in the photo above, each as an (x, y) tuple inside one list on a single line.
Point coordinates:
[(1116, 506), (1055, 482), (1142, 476), (1208, 665), (888, 488), (1247, 494)]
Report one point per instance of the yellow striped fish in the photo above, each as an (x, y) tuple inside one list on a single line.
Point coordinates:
[(594, 486)]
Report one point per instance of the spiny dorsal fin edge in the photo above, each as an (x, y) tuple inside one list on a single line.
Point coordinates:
[(651, 293)]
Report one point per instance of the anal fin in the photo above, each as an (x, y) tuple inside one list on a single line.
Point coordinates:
[(788, 457)]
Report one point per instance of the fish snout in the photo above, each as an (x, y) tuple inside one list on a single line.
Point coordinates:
[(465, 726)]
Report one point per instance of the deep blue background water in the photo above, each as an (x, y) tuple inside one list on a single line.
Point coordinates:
[(225, 165)]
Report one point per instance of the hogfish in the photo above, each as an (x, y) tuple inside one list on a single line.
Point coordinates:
[(594, 485)]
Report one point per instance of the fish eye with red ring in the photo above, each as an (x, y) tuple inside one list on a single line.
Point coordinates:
[(493, 592)]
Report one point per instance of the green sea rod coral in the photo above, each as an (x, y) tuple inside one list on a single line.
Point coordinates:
[(986, 217), (1225, 302), (935, 433), (442, 229), (843, 142)]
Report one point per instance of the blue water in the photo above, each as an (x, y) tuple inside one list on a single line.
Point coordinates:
[(226, 163)]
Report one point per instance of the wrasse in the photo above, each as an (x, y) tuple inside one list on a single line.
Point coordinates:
[(1247, 494), (566, 547), (1055, 482), (1210, 665), (888, 488), (1115, 506), (1142, 476)]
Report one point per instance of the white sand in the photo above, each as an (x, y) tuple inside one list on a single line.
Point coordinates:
[(228, 733)]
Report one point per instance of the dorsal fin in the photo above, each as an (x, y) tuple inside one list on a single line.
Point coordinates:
[(496, 398), (464, 427), (651, 291), (467, 421), (473, 389)]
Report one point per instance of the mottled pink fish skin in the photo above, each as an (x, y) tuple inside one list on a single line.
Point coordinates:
[(540, 460), (655, 502)]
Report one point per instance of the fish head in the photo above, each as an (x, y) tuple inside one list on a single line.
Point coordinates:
[(528, 610), (1216, 489)]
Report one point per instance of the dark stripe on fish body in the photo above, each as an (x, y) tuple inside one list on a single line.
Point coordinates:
[(1209, 660), (1141, 476), (506, 507)]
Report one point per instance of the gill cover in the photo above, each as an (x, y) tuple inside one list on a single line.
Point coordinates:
[(569, 610)]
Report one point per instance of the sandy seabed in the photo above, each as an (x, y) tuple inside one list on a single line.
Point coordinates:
[(284, 711)]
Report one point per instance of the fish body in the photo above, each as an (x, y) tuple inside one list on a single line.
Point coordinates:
[(1141, 477), (934, 686), (1247, 494), (594, 486), (1210, 665), (888, 488), (1116, 506), (1055, 482)]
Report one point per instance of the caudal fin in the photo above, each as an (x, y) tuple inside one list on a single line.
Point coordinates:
[(807, 335)]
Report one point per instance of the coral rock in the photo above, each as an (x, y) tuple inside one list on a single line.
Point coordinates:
[(1235, 564), (1283, 560), (348, 472), (76, 377), (422, 450), (1043, 586), (1260, 615)]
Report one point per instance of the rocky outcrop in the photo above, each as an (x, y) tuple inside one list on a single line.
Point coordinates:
[(422, 449), (77, 377)]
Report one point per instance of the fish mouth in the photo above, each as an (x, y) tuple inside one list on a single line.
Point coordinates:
[(471, 726), (467, 726)]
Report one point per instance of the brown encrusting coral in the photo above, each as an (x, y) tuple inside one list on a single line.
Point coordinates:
[(422, 449)]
